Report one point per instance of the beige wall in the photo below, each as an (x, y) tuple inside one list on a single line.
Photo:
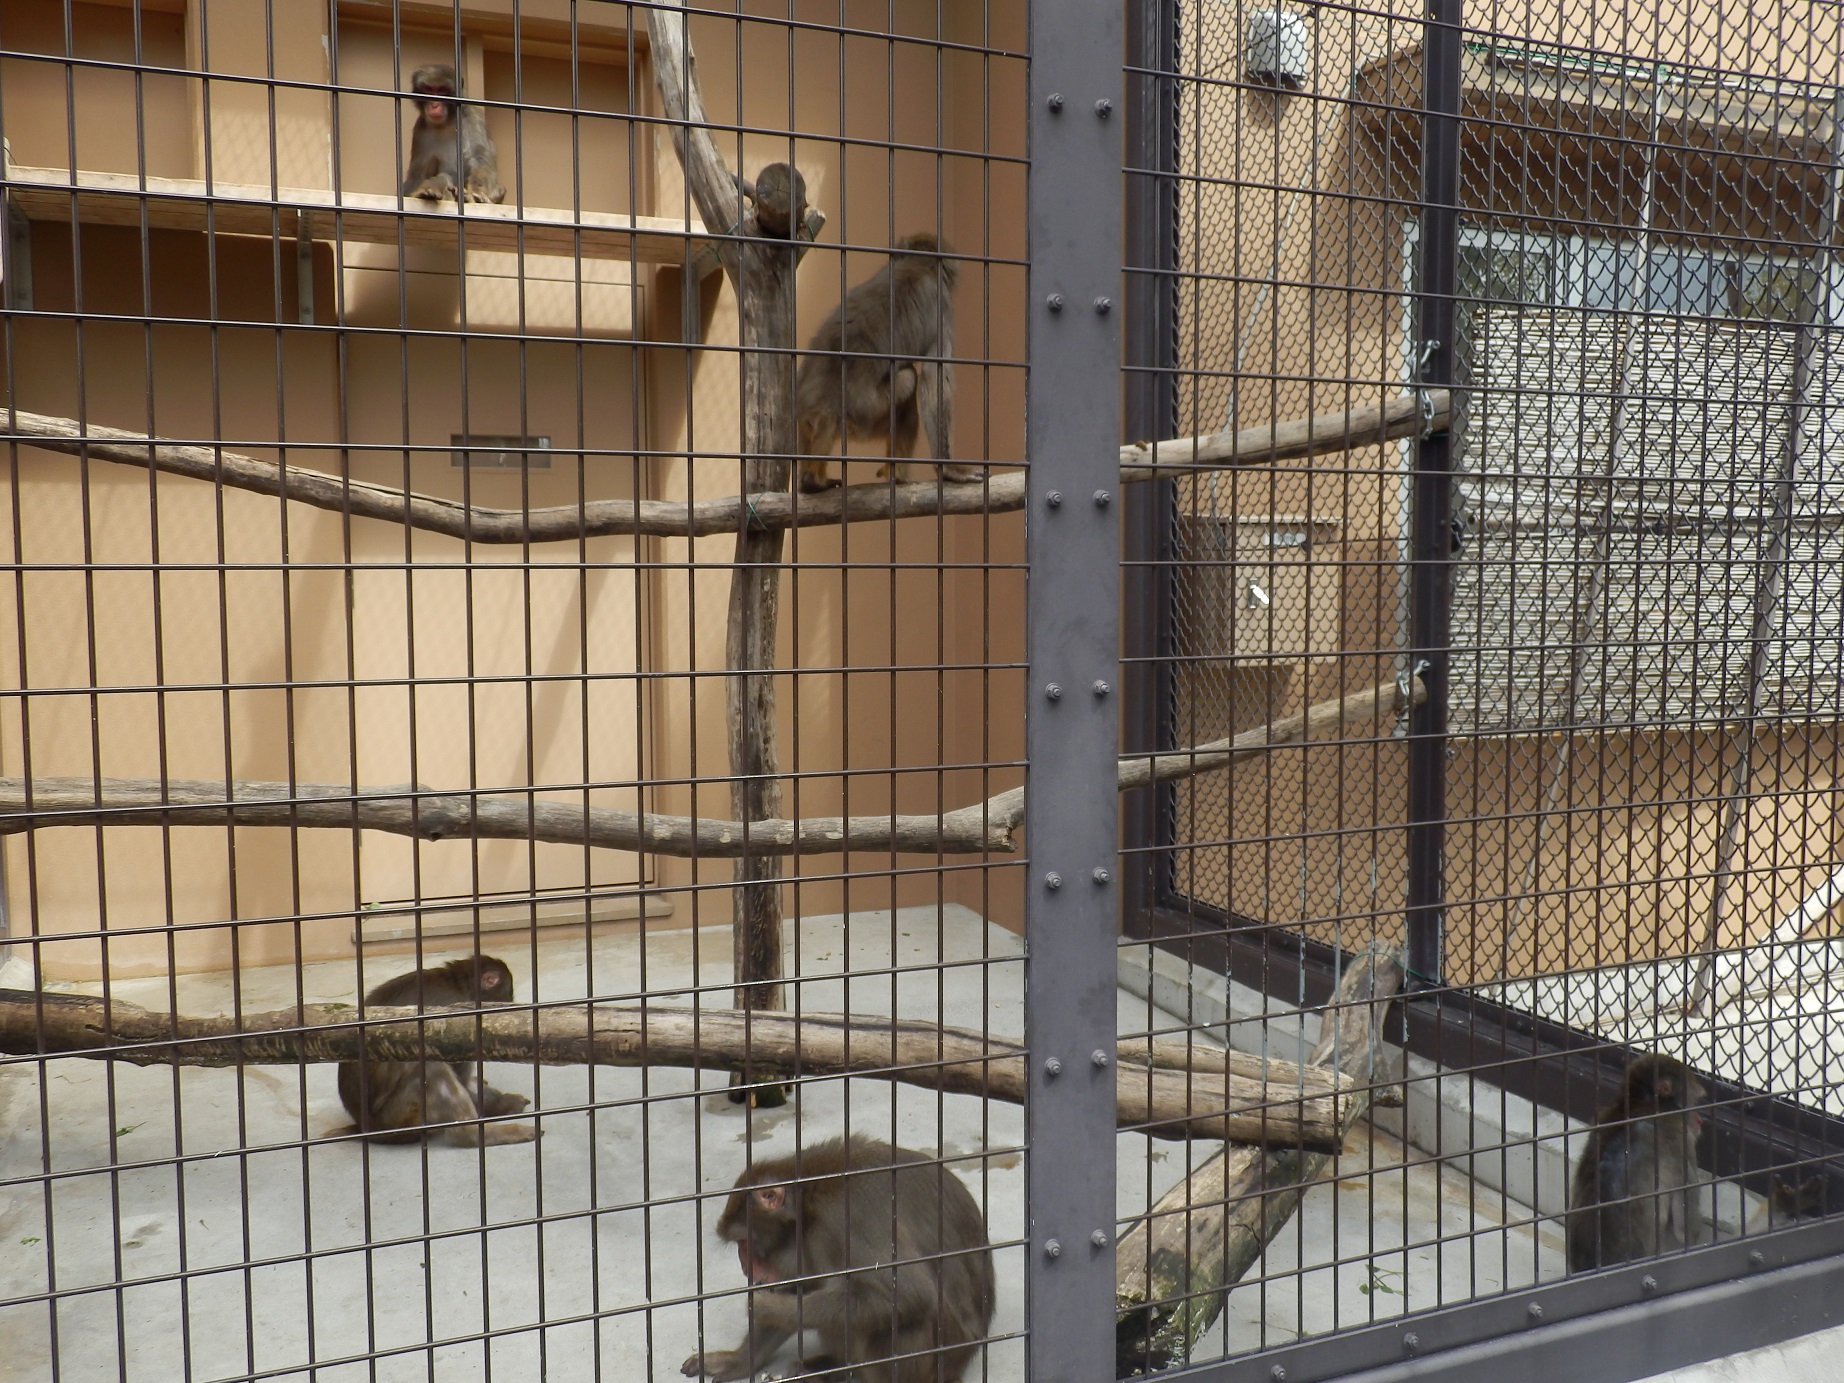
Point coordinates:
[(1294, 220), (379, 657), (1560, 854)]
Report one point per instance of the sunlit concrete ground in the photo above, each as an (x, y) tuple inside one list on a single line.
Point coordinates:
[(584, 1255), (1779, 1025)]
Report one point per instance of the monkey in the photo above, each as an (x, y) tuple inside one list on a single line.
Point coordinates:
[(885, 366), (1787, 1204), (893, 1249), (451, 154), (400, 1101), (1635, 1192)]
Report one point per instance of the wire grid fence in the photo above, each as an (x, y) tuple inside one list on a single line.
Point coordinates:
[(496, 669), (1633, 642)]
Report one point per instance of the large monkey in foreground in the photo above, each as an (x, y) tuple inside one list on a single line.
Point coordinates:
[(888, 1257), (884, 365)]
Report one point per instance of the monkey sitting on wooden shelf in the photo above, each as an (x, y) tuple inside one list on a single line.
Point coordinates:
[(887, 1256), (451, 154), (1637, 1189), (405, 1101), (885, 367)]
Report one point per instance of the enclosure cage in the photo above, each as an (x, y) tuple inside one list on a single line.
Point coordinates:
[(1205, 625)]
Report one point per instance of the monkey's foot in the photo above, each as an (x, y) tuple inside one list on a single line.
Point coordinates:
[(816, 482), (963, 474), (724, 1365), (434, 191)]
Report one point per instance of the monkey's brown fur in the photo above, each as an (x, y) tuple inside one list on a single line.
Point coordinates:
[(451, 154), (398, 1101), (1633, 1194), (887, 1259), (886, 366)]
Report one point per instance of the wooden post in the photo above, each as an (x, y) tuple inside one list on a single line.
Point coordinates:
[(767, 293), (1174, 1269), (770, 221)]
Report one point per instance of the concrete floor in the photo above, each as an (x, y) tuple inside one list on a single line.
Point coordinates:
[(1783, 1033), (244, 1247)]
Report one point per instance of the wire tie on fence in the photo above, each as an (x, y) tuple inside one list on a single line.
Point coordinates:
[(1405, 680)]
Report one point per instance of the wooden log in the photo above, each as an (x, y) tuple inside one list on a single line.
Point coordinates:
[(1174, 1269), (1173, 1054), (1265, 444), (406, 809), (1164, 1103)]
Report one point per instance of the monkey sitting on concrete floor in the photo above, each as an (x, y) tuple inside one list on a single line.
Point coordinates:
[(404, 1101), (893, 1249), (451, 154), (886, 367), (1787, 1204), (1637, 1188)]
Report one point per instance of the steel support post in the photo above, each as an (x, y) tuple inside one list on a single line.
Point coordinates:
[(1072, 636), (1149, 343), (1431, 521)]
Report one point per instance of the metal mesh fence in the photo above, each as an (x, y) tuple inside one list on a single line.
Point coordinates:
[(525, 509), (1554, 675)]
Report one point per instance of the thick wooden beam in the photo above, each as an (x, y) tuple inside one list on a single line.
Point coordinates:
[(1162, 1102), (1175, 1268), (1251, 446)]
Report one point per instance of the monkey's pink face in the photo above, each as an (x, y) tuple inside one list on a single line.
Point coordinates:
[(767, 1202), (435, 110), (754, 1268)]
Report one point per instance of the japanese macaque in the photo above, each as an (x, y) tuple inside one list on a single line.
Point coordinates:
[(1787, 1204), (885, 366), (885, 1256), (1637, 1191), (451, 154), (404, 1101)]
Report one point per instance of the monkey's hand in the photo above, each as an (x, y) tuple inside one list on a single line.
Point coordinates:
[(436, 190), (724, 1365)]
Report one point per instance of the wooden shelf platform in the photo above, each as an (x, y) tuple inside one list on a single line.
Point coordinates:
[(122, 199)]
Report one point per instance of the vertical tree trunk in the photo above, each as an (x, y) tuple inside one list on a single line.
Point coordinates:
[(767, 292), (774, 226)]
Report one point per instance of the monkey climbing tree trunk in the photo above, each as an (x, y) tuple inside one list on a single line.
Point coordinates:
[(760, 256)]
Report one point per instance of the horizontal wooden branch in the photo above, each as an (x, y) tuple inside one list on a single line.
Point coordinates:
[(1265, 443), (405, 809), (1308, 1110)]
